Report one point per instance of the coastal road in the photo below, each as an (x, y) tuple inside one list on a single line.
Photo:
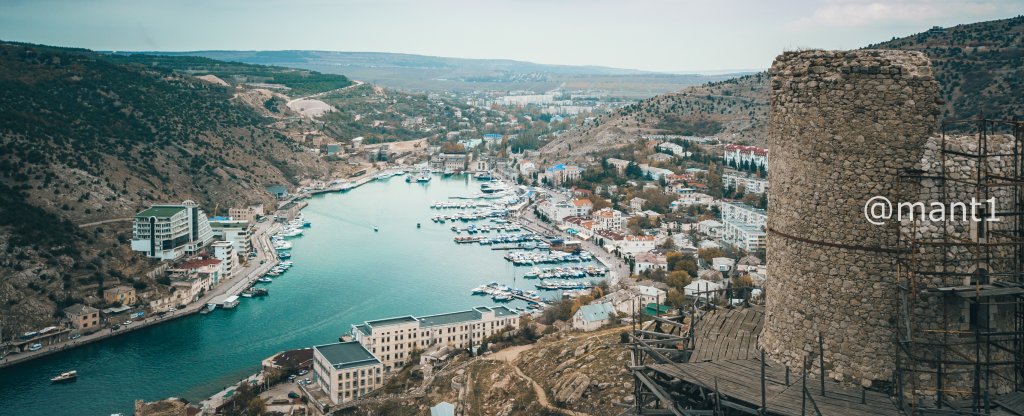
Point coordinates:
[(243, 278)]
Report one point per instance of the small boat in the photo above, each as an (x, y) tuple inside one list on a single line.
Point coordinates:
[(417, 225), (375, 229), (264, 280), (65, 377)]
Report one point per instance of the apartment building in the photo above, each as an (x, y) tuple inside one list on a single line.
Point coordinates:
[(392, 340), (737, 155), (225, 252), (346, 371), (248, 214), (234, 231), (750, 184), (743, 213), (168, 232)]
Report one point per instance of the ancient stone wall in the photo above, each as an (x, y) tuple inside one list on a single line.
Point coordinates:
[(843, 125)]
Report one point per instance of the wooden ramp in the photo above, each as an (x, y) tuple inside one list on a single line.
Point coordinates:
[(727, 334)]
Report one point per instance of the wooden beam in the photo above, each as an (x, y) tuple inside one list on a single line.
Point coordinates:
[(654, 388)]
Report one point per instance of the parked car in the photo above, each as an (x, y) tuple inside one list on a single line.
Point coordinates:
[(35, 347), (293, 395), (306, 380), (76, 336), (303, 372), (115, 327), (128, 322), (172, 310)]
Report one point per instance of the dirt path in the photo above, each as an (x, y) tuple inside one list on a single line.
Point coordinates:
[(93, 224), (542, 396), (509, 354)]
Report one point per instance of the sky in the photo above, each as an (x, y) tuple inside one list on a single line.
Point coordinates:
[(654, 35)]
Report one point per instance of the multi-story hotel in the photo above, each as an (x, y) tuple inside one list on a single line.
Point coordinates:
[(392, 340), (346, 371), (168, 232)]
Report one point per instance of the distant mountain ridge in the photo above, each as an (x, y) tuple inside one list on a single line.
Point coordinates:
[(432, 73), (979, 67)]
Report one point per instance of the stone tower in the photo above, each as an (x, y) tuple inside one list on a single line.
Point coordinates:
[(842, 126)]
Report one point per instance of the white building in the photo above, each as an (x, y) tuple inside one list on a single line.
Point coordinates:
[(750, 184), (743, 213), (234, 231), (562, 174), (751, 155), (608, 219), (394, 340), (655, 173), (705, 289), (619, 164), (168, 232), (451, 162), (710, 228), (225, 252), (672, 148), (593, 316), (650, 261), (744, 236), (689, 199), (346, 371)]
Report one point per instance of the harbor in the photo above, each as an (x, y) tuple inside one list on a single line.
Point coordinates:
[(343, 273)]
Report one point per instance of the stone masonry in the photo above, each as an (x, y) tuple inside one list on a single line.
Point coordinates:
[(842, 127)]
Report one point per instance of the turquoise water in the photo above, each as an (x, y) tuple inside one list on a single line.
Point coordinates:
[(344, 273)]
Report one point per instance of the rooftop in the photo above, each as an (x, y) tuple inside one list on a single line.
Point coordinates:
[(347, 354), (449, 318), (389, 321), (160, 211), (595, 312)]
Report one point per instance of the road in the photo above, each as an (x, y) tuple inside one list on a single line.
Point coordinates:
[(253, 270)]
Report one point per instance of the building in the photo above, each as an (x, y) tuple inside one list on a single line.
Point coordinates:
[(83, 318), (393, 340), (453, 162), (168, 232), (650, 261), (619, 164), (655, 173), (710, 228), (249, 214), (636, 244), (753, 156), (234, 231), (346, 371), (750, 184), (691, 198), (125, 295), (748, 237), (593, 316), (704, 289), (582, 207), (637, 204), (672, 148), (609, 219), (562, 174), (743, 213), (225, 252)]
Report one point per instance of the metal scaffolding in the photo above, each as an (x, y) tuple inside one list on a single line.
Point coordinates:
[(960, 281)]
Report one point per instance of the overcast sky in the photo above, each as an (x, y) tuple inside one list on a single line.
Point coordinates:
[(657, 35)]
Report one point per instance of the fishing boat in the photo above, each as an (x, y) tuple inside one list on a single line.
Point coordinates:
[(424, 176), (264, 280), (482, 176), (65, 377)]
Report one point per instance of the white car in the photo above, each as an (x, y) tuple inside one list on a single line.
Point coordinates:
[(128, 322), (35, 347), (172, 310)]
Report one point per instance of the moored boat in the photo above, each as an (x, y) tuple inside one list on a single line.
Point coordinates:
[(65, 377)]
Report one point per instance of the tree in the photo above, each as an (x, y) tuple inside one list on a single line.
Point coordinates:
[(675, 298), (680, 261), (707, 254), (678, 279)]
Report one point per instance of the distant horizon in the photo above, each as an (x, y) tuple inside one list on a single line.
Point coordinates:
[(726, 71), (658, 36)]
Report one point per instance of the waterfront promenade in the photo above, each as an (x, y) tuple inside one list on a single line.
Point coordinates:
[(265, 254), (617, 268)]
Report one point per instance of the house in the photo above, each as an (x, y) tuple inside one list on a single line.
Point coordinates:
[(637, 204), (123, 295), (635, 244), (582, 206), (170, 231), (704, 289), (650, 261), (671, 148), (710, 228), (83, 318), (593, 316), (346, 371), (689, 199), (631, 299), (653, 172), (722, 264)]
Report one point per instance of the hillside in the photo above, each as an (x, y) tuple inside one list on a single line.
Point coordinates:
[(433, 73), (86, 139), (583, 373), (979, 66)]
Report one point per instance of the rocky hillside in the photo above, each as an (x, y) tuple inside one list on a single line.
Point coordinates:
[(567, 373), (979, 66), (86, 139)]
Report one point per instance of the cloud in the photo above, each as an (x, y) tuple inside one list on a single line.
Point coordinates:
[(861, 13)]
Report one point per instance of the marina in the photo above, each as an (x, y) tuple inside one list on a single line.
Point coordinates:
[(342, 273)]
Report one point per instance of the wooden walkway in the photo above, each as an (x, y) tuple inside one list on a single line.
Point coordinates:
[(727, 335), (738, 382)]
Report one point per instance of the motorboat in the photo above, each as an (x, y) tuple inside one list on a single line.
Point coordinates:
[(65, 377)]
